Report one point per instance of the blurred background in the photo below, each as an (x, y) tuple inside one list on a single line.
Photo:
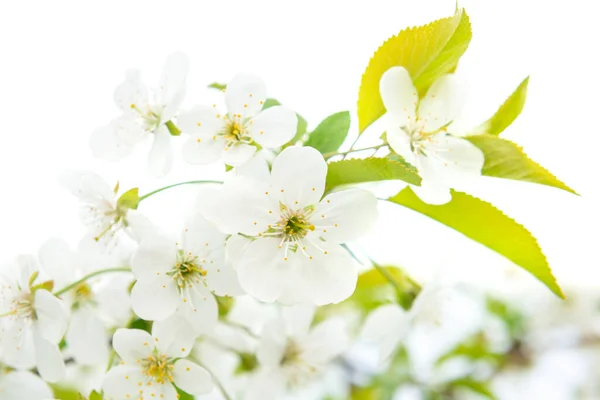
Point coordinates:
[(62, 60)]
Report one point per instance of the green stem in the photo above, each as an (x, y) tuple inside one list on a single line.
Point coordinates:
[(351, 147), (345, 153), (7, 314), (89, 276), (175, 185)]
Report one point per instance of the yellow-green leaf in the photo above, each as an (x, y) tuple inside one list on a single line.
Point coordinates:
[(484, 223), (329, 135), (507, 113), (427, 52), (504, 159), (130, 199), (359, 170)]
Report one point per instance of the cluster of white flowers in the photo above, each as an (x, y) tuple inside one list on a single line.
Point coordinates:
[(144, 303)]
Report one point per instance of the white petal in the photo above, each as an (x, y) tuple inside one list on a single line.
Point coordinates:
[(257, 168), (298, 176), (51, 316), (23, 385), (27, 264), (160, 158), (86, 338), (399, 95), (48, 359), (201, 238), (272, 343), (298, 319), (133, 344), (153, 258), (222, 280), (435, 187), (433, 193), (328, 277), (387, 326), (262, 270), (174, 336), (245, 95), (192, 378), (171, 89), (458, 160), (267, 384), (235, 249), (16, 344), (243, 206), (204, 150), (200, 308), (327, 340), (200, 121), (58, 261), (132, 92), (106, 144), (273, 127), (155, 300), (346, 215), (399, 141), (139, 227), (87, 186), (238, 154), (164, 391), (442, 103), (121, 382)]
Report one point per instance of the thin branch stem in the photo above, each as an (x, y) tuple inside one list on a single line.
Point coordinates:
[(345, 153), (351, 146), (89, 276), (175, 185)]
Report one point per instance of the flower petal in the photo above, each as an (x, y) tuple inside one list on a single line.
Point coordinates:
[(86, 338), (298, 319), (235, 248), (139, 227), (245, 95), (171, 89), (203, 150), (155, 300), (174, 336), (58, 261), (257, 168), (329, 277), (238, 154), (200, 308), (442, 103), (272, 343), (273, 127), (261, 271), (201, 238), (16, 344), (222, 280), (154, 257), (192, 378), (132, 92), (123, 382), (160, 158), (21, 385), (132, 345), (51, 316), (298, 176), (399, 96), (327, 340), (200, 121), (48, 358), (399, 141), (346, 215), (387, 326), (457, 159), (106, 143), (87, 186)]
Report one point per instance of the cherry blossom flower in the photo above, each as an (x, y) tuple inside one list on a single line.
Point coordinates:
[(153, 363), (182, 277), (145, 113), (23, 385), (288, 246), (32, 321), (292, 354), (417, 130), (233, 136)]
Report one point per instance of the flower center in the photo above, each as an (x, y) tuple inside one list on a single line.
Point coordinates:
[(297, 371), (158, 367), (187, 270), (297, 226), (22, 307), (149, 116), (235, 131)]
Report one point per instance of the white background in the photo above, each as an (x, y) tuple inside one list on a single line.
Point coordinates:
[(61, 60)]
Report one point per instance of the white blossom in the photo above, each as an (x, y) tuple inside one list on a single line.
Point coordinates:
[(23, 385), (145, 113), (288, 246), (153, 363), (292, 354), (233, 136), (417, 130), (33, 321), (182, 276)]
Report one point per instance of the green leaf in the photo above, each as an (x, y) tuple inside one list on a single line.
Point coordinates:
[(173, 129), (329, 135), (359, 170), (481, 388), (95, 396), (384, 285), (130, 199), (484, 223), (504, 159), (270, 103), (65, 393), (217, 85), (181, 395), (507, 113), (427, 52)]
